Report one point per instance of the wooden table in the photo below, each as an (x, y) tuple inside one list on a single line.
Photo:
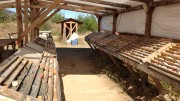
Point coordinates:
[(4, 42)]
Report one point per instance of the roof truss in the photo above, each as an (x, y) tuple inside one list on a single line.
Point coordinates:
[(87, 8)]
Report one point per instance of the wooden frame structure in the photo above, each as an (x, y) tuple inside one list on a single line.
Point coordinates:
[(39, 11), (68, 27)]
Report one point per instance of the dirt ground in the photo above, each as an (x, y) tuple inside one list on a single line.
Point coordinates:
[(82, 80)]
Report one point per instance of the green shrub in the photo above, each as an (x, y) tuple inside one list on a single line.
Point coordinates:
[(46, 26), (89, 23), (3, 17), (57, 17)]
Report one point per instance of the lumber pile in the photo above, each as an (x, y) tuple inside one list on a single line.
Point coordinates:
[(157, 57), (32, 78)]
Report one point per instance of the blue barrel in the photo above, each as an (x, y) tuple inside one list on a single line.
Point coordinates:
[(74, 42)]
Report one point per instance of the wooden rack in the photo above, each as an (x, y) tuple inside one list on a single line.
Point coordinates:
[(36, 81), (96, 36), (168, 61), (157, 57)]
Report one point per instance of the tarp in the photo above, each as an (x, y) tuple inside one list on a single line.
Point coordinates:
[(132, 22), (107, 23), (166, 21)]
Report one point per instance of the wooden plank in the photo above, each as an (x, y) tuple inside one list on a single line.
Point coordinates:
[(46, 83), (10, 93), (28, 88), (58, 87), (46, 74), (25, 74), (10, 70), (50, 86), (8, 64), (15, 74), (55, 87), (42, 69)]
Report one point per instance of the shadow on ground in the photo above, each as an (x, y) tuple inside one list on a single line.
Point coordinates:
[(75, 61), (82, 61)]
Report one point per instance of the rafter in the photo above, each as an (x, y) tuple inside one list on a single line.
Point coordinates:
[(144, 1), (83, 11), (125, 10), (165, 2), (108, 3), (47, 18), (85, 5), (83, 8)]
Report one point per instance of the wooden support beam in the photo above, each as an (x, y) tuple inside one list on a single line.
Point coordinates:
[(76, 27), (158, 85), (139, 7), (88, 5), (165, 2), (149, 15), (84, 11), (114, 23), (19, 22), (40, 12), (47, 18), (144, 1), (108, 3), (113, 59), (93, 49), (23, 11), (126, 10), (99, 23), (33, 12), (40, 18), (26, 19)]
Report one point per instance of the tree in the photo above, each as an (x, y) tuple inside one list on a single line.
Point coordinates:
[(89, 23), (3, 17), (57, 17)]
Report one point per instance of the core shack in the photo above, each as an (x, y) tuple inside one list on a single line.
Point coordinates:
[(149, 41)]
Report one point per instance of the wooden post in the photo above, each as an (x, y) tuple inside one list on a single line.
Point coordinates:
[(76, 27), (26, 19), (99, 23), (149, 19), (114, 22), (70, 31), (62, 30), (19, 21), (40, 18)]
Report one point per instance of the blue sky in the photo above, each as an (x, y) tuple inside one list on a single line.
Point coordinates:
[(67, 13)]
